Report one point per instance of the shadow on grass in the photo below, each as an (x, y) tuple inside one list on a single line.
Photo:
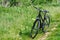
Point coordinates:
[(24, 34), (28, 34)]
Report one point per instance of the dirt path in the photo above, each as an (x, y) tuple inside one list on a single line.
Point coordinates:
[(47, 33)]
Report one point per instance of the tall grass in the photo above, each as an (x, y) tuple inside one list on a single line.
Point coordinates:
[(55, 34), (19, 20), (14, 20)]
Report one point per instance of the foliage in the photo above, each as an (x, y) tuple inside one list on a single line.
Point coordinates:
[(16, 22), (28, 2)]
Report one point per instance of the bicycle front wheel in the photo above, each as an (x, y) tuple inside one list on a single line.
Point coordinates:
[(35, 28)]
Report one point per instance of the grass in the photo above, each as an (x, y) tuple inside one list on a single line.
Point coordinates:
[(16, 22), (55, 34)]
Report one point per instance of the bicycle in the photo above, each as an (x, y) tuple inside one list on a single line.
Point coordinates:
[(40, 22)]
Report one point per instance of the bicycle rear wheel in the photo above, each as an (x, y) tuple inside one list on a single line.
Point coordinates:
[(35, 28), (47, 21), (46, 24)]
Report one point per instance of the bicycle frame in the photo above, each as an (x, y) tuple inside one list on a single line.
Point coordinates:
[(39, 17)]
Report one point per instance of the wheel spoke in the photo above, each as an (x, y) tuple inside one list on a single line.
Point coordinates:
[(34, 31)]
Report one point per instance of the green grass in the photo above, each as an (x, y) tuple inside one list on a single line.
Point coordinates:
[(16, 22), (55, 35)]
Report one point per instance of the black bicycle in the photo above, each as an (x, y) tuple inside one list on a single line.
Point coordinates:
[(42, 21)]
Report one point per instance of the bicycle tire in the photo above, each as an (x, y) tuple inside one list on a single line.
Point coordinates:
[(37, 28), (48, 20), (46, 24)]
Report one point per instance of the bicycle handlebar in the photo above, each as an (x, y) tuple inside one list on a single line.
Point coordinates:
[(45, 11), (41, 10)]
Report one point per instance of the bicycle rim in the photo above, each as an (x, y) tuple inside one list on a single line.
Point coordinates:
[(46, 24), (35, 29), (47, 21)]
